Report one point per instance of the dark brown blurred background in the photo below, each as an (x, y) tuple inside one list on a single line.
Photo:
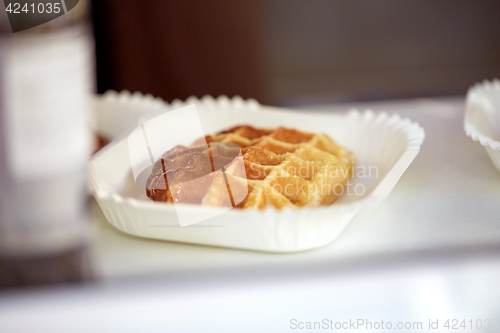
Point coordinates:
[(287, 52)]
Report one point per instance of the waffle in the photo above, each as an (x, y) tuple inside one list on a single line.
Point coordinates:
[(280, 167)]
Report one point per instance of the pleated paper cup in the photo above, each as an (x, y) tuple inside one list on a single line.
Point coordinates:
[(383, 145), (482, 117)]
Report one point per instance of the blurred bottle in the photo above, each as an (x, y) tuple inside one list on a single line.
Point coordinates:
[(46, 79)]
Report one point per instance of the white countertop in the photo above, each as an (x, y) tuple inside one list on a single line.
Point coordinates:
[(429, 252), (449, 198)]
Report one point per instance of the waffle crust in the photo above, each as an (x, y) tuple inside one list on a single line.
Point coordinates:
[(282, 168)]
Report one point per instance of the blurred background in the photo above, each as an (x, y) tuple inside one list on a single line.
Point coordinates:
[(430, 250), (286, 52)]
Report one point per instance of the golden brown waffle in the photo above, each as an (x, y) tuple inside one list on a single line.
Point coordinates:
[(283, 167)]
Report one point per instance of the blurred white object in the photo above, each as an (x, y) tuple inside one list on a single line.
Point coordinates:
[(380, 143), (114, 114), (46, 84), (46, 80), (482, 117)]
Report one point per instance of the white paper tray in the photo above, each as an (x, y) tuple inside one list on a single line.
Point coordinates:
[(385, 142), (482, 117)]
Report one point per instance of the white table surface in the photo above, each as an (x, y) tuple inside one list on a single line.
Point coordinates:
[(449, 198), (429, 252)]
